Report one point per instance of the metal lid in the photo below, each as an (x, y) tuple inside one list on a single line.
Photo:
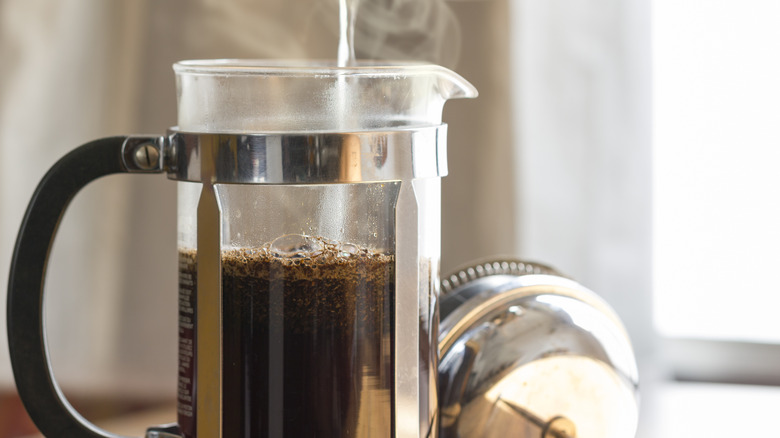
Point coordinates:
[(526, 352)]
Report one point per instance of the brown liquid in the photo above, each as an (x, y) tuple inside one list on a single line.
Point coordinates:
[(307, 344)]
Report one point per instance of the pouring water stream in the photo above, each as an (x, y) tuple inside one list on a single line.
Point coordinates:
[(345, 58), (347, 14)]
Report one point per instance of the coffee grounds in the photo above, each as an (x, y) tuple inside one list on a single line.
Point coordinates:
[(307, 342)]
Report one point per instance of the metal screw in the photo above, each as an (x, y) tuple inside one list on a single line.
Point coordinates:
[(147, 156)]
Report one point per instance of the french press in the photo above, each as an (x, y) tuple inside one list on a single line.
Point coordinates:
[(309, 244), (309, 241)]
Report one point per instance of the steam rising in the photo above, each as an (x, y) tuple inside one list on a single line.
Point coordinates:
[(421, 30)]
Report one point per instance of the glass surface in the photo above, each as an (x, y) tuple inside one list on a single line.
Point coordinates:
[(268, 96)]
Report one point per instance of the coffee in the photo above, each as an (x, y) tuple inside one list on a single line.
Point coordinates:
[(307, 342)]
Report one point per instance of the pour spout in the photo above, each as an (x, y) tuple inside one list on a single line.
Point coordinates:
[(452, 85)]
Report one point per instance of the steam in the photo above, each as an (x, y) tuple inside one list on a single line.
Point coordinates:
[(419, 30), (422, 30)]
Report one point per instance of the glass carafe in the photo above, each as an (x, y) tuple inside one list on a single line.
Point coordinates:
[(309, 241)]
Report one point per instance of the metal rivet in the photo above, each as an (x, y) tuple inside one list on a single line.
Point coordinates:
[(147, 156)]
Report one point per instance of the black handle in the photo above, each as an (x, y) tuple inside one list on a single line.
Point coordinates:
[(40, 394)]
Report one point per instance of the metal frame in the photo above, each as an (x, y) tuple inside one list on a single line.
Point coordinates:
[(405, 155), (309, 158)]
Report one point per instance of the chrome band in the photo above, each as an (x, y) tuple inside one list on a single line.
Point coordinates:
[(309, 158)]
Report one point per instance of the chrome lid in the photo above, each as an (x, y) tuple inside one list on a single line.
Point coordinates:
[(528, 353)]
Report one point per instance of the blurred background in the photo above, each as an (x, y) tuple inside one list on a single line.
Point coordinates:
[(631, 144)]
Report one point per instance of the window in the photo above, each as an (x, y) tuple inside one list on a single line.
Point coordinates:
[(717, 169)]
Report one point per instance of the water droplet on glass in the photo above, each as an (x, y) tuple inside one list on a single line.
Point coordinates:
[(296, 246)]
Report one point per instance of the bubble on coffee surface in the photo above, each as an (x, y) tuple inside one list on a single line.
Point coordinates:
[(347, 249), (296, 246)]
